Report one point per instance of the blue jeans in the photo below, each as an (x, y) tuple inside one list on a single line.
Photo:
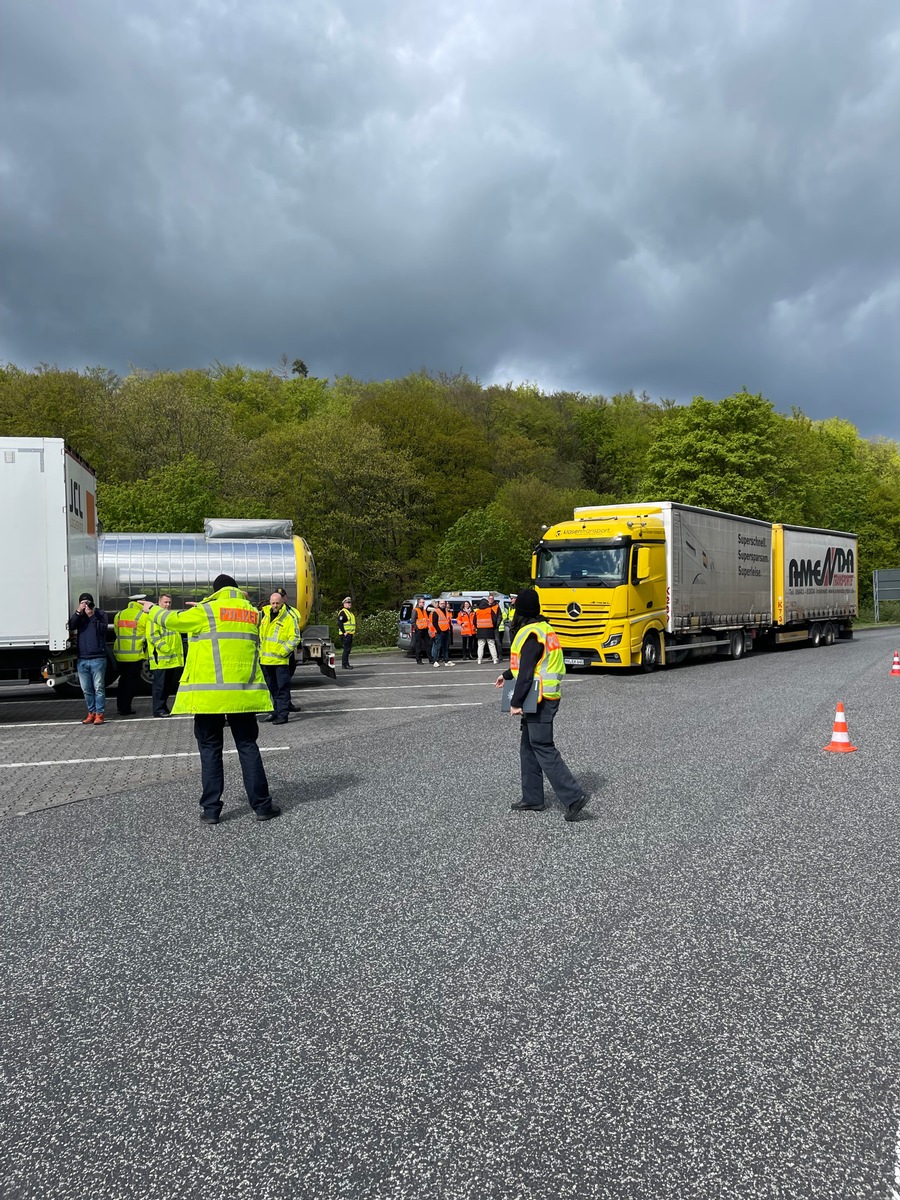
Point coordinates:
[(440, 647), (92, 677)]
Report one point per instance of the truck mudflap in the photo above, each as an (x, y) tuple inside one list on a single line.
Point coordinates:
[(315, 646)]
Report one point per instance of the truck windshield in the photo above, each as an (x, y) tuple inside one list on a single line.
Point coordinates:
[(599, 566)]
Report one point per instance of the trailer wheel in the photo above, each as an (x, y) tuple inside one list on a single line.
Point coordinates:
[(829, 634), (736, 644), (650, 652), (815, 635)]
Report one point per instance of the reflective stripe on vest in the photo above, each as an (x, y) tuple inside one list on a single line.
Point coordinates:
[(551, 666), (484, 618), (129, 629), (349, 622)]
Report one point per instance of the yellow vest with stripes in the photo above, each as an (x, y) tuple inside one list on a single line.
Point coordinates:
[(129, 627), (222, 673), (278, 636), (551, 665)]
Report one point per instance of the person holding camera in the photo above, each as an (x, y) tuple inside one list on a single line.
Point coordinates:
[(90, 624)]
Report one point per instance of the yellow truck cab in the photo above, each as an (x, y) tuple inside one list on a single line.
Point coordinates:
[(602, 582)]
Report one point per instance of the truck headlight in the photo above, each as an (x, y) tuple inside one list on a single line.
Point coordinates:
[(613, 640)]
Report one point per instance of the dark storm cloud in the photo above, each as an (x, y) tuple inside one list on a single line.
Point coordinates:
[(682, 198)]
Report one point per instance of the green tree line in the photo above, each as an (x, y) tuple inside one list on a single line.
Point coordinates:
[(435, 480)]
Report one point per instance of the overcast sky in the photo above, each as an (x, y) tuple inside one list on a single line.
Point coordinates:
[(682, 196)]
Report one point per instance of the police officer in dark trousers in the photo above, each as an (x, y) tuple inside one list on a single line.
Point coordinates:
[(346, 628), (535, 654), (222, 684)]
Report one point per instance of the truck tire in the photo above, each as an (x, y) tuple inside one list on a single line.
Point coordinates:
[(815, 636), (829, 635), (736, 644), (650, 656)]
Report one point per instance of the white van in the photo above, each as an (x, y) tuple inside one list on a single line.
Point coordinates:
[(405, 628)]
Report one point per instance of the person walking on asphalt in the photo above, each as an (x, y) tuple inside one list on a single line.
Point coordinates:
[(536, 654), (222, 683), (90, 624), (346, 628)]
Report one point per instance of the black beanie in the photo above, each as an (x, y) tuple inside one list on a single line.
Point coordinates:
[(86, 596), (528, 603), (221, 581)]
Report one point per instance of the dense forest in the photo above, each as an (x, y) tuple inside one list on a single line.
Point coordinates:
[(438, 480)]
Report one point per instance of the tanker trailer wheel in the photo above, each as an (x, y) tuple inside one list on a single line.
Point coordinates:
[(829, 634), (650, 656), (815, 635), (736, 644)]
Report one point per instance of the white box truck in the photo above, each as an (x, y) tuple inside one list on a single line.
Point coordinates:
[(48, 552)]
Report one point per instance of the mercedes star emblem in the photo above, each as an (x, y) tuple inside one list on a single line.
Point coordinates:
[(574, 610)]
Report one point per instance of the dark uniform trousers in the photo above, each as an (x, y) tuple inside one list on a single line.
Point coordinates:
[(278, 681), (347, 646), (539, 757), (421, 644), (165, 683), (127, 686), (209, 730)]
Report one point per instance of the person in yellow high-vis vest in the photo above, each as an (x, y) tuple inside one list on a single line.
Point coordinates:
[(130, 649), (346, 628), (279, 633), (165, 651), (536, 654), (222, 683)]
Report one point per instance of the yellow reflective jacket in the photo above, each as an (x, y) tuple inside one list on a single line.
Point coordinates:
[(129, 626), (164, 649), (222, 673), (551, 667), (278, 635)]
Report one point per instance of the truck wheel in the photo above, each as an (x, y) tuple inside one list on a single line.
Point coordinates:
[(650, 652), (828, 636), (736, 644), (815, 635)]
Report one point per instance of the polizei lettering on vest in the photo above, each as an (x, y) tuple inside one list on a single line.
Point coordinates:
[(835, 570), (249, 615)]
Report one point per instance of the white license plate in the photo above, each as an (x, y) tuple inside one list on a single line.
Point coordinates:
[(574, 662)]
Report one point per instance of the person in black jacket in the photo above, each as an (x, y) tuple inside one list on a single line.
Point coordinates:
[(90, 624)]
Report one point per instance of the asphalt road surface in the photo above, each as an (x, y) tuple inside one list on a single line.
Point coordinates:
[(402, 989)]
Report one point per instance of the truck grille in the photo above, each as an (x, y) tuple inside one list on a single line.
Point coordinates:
[(591, 624)]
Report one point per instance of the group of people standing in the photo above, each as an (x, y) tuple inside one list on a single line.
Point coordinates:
[(481, 628)]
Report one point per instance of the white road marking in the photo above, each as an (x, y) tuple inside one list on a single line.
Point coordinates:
[(409, 687), (65, 762), (398, 707)]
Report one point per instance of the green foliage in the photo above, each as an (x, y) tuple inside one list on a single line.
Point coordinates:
[(172, 499), (481, 550), (377, 628)]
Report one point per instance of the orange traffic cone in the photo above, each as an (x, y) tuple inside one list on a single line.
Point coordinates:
[(895, 668), (840, 738)]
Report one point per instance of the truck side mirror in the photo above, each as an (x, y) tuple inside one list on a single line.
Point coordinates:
[(642, 567)]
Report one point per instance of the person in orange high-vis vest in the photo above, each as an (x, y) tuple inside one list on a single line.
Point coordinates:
[(421, 638), (465, 619), (485, 623), (441, 624)]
